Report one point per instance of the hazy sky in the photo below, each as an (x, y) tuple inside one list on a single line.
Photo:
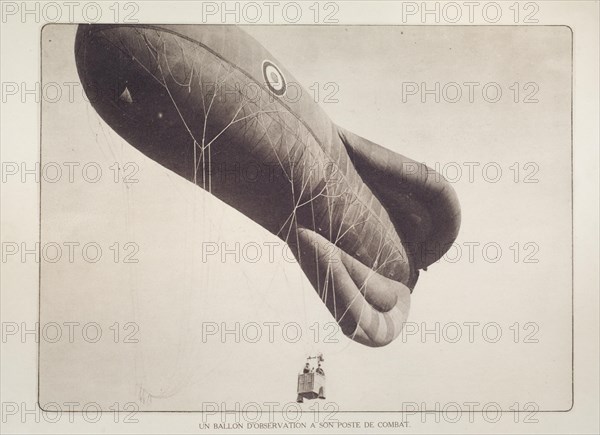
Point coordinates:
[(171, 293)]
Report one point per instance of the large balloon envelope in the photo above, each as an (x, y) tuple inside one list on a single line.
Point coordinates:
[(212, 105)]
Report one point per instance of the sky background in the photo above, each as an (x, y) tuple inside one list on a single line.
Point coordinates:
[(171, 292)]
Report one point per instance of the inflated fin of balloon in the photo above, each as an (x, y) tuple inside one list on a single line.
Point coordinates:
[(422, 205), (370, 308)]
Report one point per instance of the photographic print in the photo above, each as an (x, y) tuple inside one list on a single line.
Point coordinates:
[(302, 217), (234, 229)]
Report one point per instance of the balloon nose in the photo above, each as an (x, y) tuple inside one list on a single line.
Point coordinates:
[(102, 67)]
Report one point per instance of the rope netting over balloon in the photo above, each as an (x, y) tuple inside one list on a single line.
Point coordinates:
[(332, 219)]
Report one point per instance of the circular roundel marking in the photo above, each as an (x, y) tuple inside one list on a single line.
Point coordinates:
[(274, 78)]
